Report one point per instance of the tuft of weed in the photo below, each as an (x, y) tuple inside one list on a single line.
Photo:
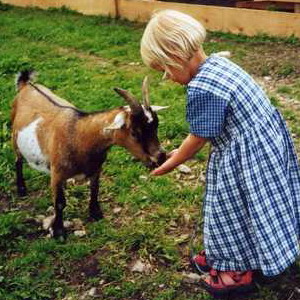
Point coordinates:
[(5, 7), (63, 10), (286, 69), (11, 226)]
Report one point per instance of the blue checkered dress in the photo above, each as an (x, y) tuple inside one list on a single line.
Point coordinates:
[(252, 201)]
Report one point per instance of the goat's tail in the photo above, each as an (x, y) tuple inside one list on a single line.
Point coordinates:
[(23, 78), (226, 54)]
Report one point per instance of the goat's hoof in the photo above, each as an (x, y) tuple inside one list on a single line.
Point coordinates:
[(59, 234), (61, 239), (22, 192)]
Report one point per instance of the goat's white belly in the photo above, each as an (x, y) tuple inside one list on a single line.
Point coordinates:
[(29, 147)]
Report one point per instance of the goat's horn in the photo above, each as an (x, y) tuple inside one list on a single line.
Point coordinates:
[(145, 89), (130, 99)]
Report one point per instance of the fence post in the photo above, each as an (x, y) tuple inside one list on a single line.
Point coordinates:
[(117, 11)]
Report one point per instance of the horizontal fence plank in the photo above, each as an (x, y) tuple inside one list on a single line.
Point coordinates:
[(88, 7), (235, 20), (294, 1)]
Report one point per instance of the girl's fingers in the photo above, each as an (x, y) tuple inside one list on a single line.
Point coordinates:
[(157, 172)]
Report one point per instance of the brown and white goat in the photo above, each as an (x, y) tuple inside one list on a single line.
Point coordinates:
[(57, 138)]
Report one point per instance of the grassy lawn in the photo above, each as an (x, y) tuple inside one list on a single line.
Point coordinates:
[(81, 58)]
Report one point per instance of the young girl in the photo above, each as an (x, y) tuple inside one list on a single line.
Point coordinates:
[(252, 201)]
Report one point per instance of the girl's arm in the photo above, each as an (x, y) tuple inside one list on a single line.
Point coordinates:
[(189, 147)]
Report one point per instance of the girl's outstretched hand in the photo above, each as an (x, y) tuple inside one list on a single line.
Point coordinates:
[(166, 167), (190, 146)]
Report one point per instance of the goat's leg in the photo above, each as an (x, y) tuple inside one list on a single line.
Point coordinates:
[(21, 187), (94, 207), (57, 186)]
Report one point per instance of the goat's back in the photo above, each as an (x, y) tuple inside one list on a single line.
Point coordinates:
[(37, 101), (46, 122)]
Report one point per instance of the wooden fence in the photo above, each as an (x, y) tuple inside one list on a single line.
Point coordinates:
[(236, 20)]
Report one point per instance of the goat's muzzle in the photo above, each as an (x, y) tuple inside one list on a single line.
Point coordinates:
[(162, 157), (157, 160)]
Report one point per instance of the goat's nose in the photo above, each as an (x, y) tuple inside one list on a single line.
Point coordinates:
[(157, 160), (162, 157)]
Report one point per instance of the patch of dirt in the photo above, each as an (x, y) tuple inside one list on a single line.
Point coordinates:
[(26, 203), (260, 61), (276, 59), (81, 270), (287, 285)]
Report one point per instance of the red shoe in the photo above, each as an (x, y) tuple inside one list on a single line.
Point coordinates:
[(199, 263), (243, 284)]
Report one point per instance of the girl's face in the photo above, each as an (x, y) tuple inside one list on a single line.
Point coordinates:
[(181, 76), (186, 73)]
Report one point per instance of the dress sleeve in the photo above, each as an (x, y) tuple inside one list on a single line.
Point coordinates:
[(205, 112)]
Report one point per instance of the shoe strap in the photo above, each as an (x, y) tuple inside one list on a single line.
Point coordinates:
[(214, 274), (235, 276)]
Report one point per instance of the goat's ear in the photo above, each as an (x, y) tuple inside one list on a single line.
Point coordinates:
[(158, 108), (118, 122)]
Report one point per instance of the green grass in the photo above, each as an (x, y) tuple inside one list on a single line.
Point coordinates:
[(292, 91), (81, 58)]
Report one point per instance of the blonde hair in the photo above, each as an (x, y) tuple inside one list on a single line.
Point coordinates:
[(171, 38)]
